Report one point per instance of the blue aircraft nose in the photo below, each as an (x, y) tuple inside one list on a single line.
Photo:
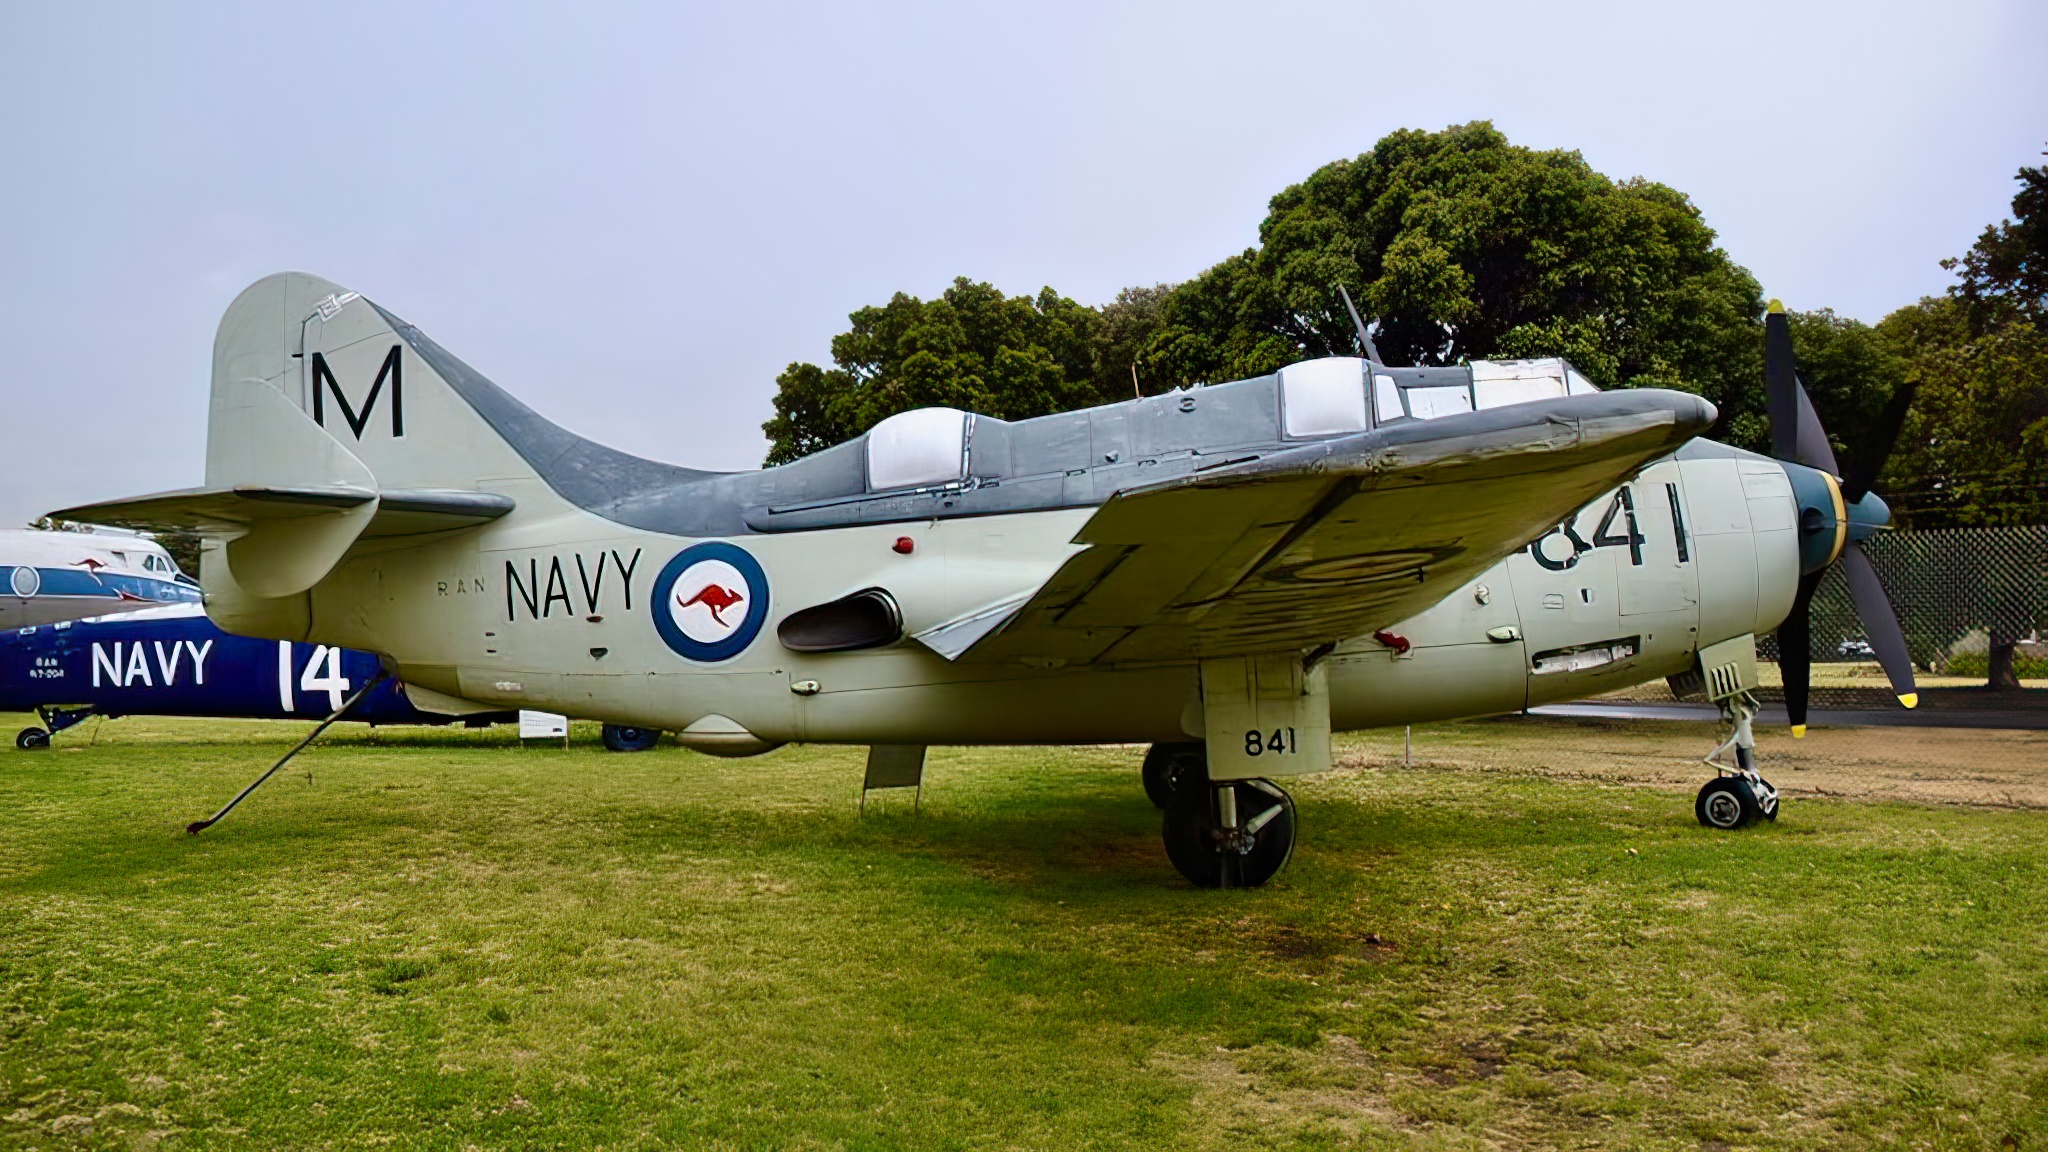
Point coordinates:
[(1867, 515), (1822, 516)]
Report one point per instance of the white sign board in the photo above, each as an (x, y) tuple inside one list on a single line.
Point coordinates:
[(542, 726)]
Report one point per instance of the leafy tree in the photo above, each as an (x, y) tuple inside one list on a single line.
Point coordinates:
[(1458, 243), (974, 348), (1851, 371), (1462, 246), (2004, 275), (1974, 452), (1975, 447)]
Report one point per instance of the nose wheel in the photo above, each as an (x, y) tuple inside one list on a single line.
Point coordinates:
[(55, 720), (1229, 833), (1738, 796)]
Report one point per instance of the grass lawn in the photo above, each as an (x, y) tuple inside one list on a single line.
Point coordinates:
[(444, 941)]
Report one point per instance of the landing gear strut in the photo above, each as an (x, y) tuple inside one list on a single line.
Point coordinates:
[(1229, 833), (1737, 797), (55, 720)]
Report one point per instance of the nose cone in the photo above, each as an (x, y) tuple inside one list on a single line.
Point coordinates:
[(1867, 515)]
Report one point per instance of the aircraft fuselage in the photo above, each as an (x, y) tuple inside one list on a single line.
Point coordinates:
[(567, 613)]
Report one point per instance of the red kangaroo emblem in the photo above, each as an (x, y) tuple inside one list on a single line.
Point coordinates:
[(713, 597)]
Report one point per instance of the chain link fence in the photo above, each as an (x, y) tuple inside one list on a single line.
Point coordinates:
[(1973, 604)]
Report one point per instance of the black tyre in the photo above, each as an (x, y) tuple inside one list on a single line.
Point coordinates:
[(1170, 767), (620, 738), (1727, 803), (1209, 856), (29, 739)]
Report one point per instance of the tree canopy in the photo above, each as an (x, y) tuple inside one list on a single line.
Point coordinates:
[(1458, 243), (973, 348), (1463, 246), (1975, 447)]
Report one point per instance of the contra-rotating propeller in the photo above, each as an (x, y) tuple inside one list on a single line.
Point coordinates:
[(1836, 514)]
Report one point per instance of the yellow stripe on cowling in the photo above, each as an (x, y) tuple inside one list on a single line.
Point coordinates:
[(1910, 699), (1841, 518), (1799, 731)]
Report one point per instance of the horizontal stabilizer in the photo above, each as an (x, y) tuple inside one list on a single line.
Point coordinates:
[(229, 512)]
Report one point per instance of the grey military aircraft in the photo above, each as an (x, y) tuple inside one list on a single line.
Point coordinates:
[(1229, 573)]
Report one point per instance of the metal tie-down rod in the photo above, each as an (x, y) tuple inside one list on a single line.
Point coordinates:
[(198, 826)]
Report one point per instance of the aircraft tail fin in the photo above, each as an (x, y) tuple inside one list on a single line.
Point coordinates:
[(314, 385)]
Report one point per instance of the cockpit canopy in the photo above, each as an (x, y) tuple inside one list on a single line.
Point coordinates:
[(1332, 396), (1326, 397)]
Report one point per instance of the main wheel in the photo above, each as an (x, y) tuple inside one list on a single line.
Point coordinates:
[(29, 739), (620, 738), (1727, 803), (1170, 767), (1244, 855)]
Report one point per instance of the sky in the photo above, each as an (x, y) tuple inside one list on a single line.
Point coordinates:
[(634, 216)]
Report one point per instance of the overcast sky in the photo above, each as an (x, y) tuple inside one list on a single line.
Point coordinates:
[(634, 216)]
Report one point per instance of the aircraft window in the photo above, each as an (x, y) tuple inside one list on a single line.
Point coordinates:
[(1576, 384), (922, 446), (1430, 403), (1323, 397), (1386, 398), (1500, 393), (121, 556)]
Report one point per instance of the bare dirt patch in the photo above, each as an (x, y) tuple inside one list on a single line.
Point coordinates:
[(1974, 766)]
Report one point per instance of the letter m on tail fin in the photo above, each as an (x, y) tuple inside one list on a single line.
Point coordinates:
[(323, 382)]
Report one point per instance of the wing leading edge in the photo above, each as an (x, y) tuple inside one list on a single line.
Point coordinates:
[(1330, 540)]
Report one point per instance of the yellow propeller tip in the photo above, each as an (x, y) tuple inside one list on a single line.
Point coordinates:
[(1799, 731), (1777, 305), (1910, 699)]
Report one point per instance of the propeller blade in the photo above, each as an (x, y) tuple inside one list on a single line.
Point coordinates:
[(1880, 624), (1796, 434), (1884, 436), (1795, 657)]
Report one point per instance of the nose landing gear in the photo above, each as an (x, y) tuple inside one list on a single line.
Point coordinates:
[(55, 720), (1737, 797)]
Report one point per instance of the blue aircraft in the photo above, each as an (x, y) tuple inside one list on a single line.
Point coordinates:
[(173, 661)]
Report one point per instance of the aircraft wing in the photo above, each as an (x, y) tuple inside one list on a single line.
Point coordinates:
[(1327, 541)]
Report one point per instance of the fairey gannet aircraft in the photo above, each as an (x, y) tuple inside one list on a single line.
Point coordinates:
[(1229, 572), (48, 577)]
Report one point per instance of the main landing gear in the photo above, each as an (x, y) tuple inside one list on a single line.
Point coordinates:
[(1221, 833), (55, 720), (620, 738), (1737, 797), (1172, 767)]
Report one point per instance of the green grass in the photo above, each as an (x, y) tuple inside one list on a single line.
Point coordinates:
[(444, 941)]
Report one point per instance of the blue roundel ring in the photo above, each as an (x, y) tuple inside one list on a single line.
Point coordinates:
[(749, 627)]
